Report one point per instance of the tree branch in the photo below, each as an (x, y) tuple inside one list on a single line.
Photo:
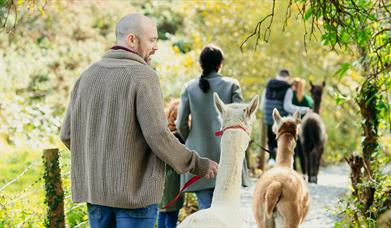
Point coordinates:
[(257, 30)]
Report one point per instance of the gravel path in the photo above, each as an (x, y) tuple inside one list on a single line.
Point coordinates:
[(333, 182)]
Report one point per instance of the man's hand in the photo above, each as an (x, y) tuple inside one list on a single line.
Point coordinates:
[(212, 170)]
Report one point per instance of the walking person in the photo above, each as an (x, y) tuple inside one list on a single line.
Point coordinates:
[(278, 94), (118, 136), (167, 218), (197, 100), (299, 98)]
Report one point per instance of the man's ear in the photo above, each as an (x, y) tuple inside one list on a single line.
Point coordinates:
[(219, 104), (132, 39), (253, 106), (276, 116)]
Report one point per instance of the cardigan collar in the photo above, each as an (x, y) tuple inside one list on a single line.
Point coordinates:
[(119, 52)]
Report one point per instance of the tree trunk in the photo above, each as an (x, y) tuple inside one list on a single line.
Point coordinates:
[(367, 101)]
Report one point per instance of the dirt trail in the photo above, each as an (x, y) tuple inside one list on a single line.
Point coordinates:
[(333, 182)]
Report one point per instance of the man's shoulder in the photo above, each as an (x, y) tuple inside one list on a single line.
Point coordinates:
[(141, 73), (275, 83)]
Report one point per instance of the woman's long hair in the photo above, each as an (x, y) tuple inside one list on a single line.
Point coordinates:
[(210, 59), (299, 84)]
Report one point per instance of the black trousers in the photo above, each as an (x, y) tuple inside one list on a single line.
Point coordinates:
[(271, 142), (299, 153)]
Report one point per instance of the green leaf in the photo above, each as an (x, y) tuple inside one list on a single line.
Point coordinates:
[(308, 14), (342, 70)]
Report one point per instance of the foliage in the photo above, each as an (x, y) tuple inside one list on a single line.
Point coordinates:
[(11, 11), (362, 28), (54, 197), (190, 206), (350, 207), (19, 200), (23, 200), (45, 52), (216, 22)]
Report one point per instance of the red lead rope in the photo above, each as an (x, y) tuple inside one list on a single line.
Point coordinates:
[(220, 133), (196, 178), (187, 184)]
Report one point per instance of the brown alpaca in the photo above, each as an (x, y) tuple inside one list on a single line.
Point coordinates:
[(281, 189), (313, 135)]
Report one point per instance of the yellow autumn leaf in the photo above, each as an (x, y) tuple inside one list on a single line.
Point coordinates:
[(42, 11), (176, 49), (187, 61)]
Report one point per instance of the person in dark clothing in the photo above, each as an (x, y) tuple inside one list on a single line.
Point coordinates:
[(168, 217), (278, 94)]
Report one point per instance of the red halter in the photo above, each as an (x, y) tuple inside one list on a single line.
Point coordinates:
[(220, 133)]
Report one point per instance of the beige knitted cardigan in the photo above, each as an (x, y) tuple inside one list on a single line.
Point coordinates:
[(118, 136)]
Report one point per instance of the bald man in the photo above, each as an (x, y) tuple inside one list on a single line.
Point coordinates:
[(116, 131)]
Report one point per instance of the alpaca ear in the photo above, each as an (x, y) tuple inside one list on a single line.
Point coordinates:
[(219, 104), (312, 85), (276, 116), (297, 117), (324, 83), (253, 106)]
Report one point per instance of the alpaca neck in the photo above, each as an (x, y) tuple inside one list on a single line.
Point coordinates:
[(229, 177), (286, 144), (316, 104), (317, 107)]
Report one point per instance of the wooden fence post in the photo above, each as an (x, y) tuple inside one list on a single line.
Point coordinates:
[(53, 189)]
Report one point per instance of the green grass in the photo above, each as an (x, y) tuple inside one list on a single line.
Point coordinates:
[(22, 202)]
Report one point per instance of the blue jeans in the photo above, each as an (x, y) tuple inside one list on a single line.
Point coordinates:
[(204, 198), (102, 216), (167, 219)]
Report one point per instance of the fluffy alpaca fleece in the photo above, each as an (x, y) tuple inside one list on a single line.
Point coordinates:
[(281, 192), (313, 135), (224, 211)]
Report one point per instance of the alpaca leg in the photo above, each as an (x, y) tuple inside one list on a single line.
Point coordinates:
[(258, 206), (309, 165), (312, 167), (290, 212), (319, 153), (259, 214), (270, 222), (306, 160), (305, 207), (301, 157)]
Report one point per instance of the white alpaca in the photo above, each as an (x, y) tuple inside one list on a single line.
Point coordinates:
[(236, 121)]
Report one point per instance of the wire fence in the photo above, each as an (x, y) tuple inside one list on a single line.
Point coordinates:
[(23, 203)]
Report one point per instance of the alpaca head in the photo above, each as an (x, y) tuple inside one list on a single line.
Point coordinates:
[(289, 124), (236, 113), (317, 91)]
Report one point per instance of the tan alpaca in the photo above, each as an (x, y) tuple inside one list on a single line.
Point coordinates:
[(281, 189), (236, 121)]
